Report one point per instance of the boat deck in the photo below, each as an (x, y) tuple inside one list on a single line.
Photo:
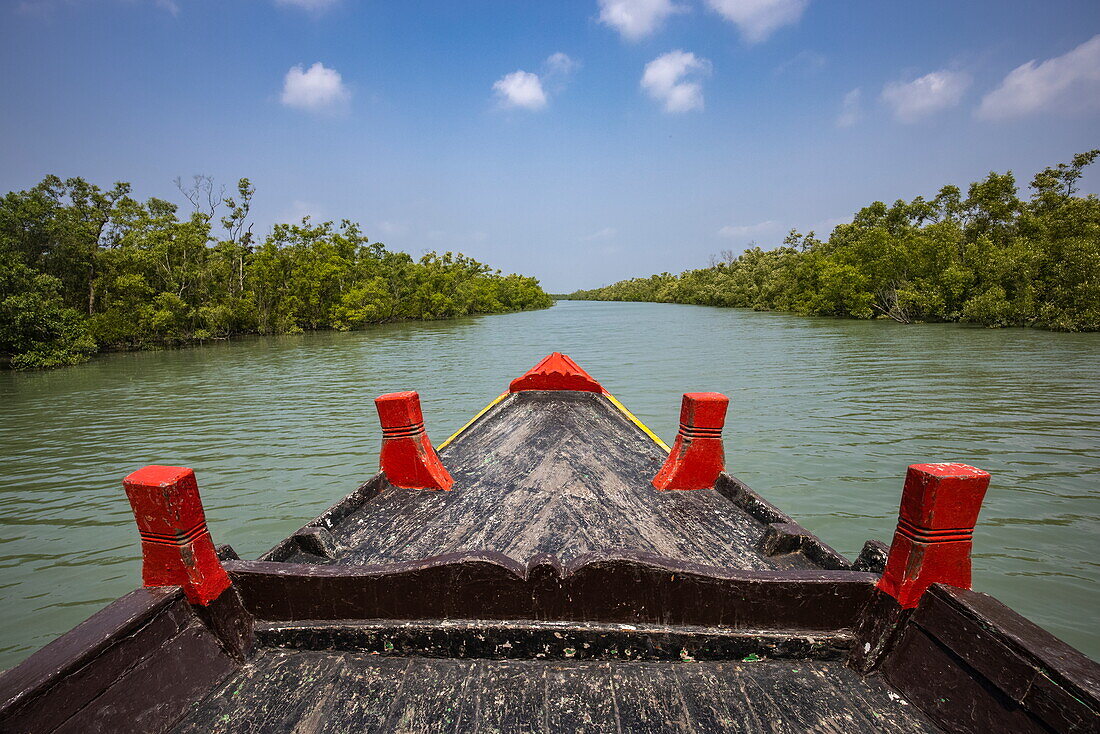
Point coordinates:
[(310, 691), (552, 589), (563, 473)]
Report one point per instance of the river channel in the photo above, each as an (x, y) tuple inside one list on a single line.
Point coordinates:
[(824, 417)]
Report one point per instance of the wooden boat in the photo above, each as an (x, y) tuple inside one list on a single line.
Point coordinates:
[(555, 567)]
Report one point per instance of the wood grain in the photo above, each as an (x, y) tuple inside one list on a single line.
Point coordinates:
[(561, 473), (365, 693)]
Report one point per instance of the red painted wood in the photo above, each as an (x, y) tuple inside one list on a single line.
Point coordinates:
[(556, 372), (408, 459), (697, 456), (175, 543), (932, 543)]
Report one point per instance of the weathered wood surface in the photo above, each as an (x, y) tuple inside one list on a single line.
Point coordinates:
[(88, 680), (974, 665), (527, 639), (625, 587), (283, 691), (563, 473)]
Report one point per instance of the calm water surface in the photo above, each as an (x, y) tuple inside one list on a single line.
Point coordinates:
[(825, 416)]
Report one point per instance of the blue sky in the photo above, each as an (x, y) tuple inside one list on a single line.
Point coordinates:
[(581, 141)]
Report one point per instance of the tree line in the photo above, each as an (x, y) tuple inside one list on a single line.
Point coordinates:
[(85, 269), (989, 257)]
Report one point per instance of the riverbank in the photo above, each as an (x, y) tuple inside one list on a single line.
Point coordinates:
[(990, 258), (5, 362), (85, 270)]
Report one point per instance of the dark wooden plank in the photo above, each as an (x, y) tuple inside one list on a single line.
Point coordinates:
[(714, 517), (83, 645), (807, 700), (981, 647), (1029, 641), (151, 696), (395, 525), (648, 698), (951, 693), (340, 692), (1050, 701), (274, 692), (717, 697), (526, 639), (580, 697), (437, 696), (513, 696), (619, 590), (887, 711), (1011, 657), (364, 694), (628, 587), (72, 671)]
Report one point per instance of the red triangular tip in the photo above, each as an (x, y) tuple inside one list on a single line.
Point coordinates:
[(556, 372)]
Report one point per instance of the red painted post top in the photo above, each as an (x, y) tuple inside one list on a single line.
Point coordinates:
[(176, 546), (697, 456), (408, 459), (556, 372), (704, 411), (398, 410), (934, 535)]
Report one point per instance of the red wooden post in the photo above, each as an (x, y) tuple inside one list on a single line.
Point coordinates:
[(408, 459), (697, 457), (939, 508), (175, 541)]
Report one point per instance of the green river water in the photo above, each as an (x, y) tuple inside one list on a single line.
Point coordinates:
[(824, 417)]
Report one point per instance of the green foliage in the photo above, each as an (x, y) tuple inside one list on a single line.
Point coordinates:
[(990, 258), (83, 269), (36, 328)]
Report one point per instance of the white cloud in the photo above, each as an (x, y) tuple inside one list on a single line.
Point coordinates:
[(168, 5), (758, 19), (635, 19), (558, 69), (530, 91), (851, 108), (921, 97), (672, 80), (742, 231), (1067, 80), (520, 89), (313, 6), (560, 64), (317, 89)]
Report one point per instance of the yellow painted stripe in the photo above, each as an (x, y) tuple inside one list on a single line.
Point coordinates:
[(471, 422), (634, 419)]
